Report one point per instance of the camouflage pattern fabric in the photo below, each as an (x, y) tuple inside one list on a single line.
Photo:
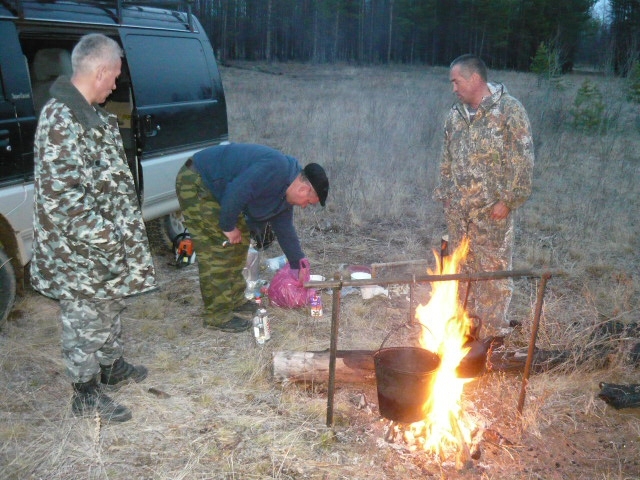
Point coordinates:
[(90, 336), (486, 158), (89, 237), (220, 268)]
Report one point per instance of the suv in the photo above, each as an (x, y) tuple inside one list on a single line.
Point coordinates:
[(169, 102)]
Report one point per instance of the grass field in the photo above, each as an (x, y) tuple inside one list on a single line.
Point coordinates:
[(378, 132)]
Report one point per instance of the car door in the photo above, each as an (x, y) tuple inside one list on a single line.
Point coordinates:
[(17, 116), (179, 101)]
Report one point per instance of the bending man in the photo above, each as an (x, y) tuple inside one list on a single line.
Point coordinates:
[(228, 191)]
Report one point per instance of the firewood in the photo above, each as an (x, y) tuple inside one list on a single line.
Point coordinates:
[(357, 366), (352, 366)]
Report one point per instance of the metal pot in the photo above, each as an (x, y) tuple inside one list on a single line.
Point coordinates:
[(475, 361), (404, 378)]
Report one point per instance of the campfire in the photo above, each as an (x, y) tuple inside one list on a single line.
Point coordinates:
[(446, 429)]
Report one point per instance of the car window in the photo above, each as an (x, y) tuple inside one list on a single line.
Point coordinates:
[(182, 76)]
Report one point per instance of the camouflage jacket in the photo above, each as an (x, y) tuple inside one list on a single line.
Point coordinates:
[(488, 159), (89, 237)]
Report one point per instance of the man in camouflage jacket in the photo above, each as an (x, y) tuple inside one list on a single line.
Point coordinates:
[(90, 248), (485, 175)]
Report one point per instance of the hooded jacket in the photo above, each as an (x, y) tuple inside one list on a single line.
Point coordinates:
[(488, 157), (89, 237)]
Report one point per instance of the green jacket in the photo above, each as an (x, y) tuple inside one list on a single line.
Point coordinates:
[(89, 237)]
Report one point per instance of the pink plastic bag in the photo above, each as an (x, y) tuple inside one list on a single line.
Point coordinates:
[(286, 290)]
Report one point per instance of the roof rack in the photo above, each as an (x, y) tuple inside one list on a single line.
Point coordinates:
[(17, 6)]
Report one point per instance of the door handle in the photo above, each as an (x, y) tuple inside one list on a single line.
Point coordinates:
[(4, 140), (150, 130)]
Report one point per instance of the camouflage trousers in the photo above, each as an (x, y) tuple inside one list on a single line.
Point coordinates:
[(490, 249), (90, 336), (220, 268)]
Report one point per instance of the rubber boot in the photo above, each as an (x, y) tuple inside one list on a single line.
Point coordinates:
[(121, 371), (88, 400)]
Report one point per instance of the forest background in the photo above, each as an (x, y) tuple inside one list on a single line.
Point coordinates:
[(507, 34)]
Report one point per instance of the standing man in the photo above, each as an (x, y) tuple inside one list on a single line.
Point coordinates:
[(227, 191), (485, 175), (90, 247)]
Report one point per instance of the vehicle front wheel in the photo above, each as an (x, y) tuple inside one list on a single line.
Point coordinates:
[(173, 226), (7, 286)]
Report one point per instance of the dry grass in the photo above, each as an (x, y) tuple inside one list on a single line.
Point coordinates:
[(378, 132)]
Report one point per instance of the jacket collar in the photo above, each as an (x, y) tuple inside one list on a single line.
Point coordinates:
[(64, 91)]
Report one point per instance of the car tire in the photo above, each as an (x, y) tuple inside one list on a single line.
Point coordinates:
[(164, 230), (7, 286), (173, 226)]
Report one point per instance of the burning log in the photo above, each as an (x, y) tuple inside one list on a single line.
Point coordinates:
[(463, 453), (620, 396)]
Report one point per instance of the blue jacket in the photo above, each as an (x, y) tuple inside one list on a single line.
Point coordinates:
[(253, 180)]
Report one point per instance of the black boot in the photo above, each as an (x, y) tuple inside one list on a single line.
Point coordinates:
[(121, 371), (88, 399)]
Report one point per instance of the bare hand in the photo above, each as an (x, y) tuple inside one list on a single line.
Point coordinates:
[(234, 235), (499, 211)]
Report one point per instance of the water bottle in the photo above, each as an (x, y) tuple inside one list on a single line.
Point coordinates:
[(261, 326)]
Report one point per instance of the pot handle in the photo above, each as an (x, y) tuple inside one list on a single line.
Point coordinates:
[(397, 327)]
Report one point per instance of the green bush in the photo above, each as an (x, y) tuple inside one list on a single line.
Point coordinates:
[(634, 83), (546, 64), (588, 108)]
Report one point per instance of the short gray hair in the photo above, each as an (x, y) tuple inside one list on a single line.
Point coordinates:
[(93, 50), (470, 64)]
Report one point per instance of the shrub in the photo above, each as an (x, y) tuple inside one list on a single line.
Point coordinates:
[(546, 64), (634, 83), (588, 108)]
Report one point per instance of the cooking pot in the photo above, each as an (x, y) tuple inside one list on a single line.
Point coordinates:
[(405, 375), (404, 380)]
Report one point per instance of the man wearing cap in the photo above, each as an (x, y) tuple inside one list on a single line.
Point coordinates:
[(226, 192)]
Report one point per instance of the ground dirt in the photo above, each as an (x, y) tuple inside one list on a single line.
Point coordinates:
[(210, 408)]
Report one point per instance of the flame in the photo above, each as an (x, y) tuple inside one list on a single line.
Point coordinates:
[(445, 333)]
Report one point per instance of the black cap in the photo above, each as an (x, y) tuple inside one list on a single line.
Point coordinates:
[(318, 179)]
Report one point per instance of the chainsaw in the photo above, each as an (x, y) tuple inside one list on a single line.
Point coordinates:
[(183, 249)]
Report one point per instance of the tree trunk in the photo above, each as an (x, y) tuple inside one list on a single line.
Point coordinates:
[(268, 49), (390, 31)]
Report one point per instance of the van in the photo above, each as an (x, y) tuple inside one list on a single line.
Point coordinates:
[(169, 102)]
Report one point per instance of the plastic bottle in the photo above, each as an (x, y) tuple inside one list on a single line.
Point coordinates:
[(261, 326)]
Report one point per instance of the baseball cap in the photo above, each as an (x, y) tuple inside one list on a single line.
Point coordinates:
[(318, 179)]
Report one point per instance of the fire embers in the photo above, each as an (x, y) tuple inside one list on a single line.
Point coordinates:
[(459, 445)]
